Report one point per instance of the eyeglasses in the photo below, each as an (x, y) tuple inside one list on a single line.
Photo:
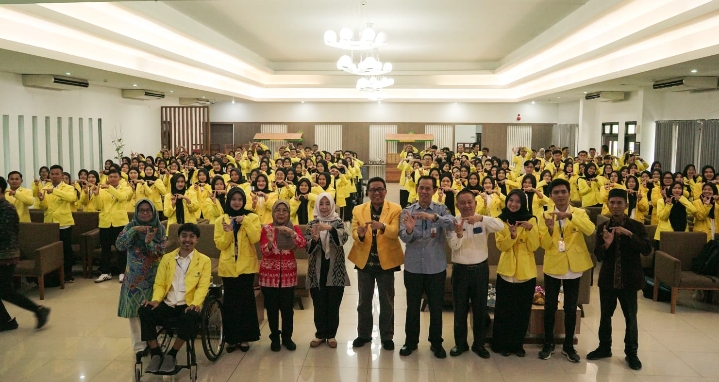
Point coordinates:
[(377, 190), (142, 211)]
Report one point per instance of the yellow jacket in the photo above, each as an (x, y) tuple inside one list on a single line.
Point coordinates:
[(87, 201), (58, 205), (295, 205), (211, 210), (112, 204), (170, 210), (197, 278), (22, 201), (663, 210), (517, 258), (202, 194), (388, 245), (641, 209), (604, 197), (702, 223), (155, 192), (265, 210), (576, 257), (240, 260), (495, 208), (403, 167), (589, 192)]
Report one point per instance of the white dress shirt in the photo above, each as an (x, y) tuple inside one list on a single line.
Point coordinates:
[(176, 294), (472, 248), (569, 275)]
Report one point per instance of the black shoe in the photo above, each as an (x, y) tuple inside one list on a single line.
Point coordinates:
[(407, 350), (231, 348), (458, 350), (386, 345), (243, 348), (291, 346), (10, 325), (599, 353), (633, 362), (481, 351), (42, 314), (547, 351), (359, 342), (506, 353), (571, 355), (69, 280), (275, 345), (438, 351), (521, 353)]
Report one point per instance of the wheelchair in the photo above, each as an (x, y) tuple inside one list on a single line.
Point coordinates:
[(211, 334)]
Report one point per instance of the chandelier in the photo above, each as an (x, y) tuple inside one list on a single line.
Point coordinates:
[(373, 83), (368, 66), (376, 96), (368, 39)]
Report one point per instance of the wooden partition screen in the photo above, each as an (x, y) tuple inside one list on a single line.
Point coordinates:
[(187, 127)]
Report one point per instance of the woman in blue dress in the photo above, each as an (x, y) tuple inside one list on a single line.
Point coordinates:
[(144, 240)]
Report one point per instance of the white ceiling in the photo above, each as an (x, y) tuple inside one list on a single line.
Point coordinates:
[(450, 50)]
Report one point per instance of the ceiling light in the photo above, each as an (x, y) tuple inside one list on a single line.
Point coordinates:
[(302, 101), (694, 70), (532, 102), (559, 97), (585, 92), (172, 91), (369, 65), (203, 96), (373, 83), (68, 74), (376, 96), (134, 84), (233, 101)]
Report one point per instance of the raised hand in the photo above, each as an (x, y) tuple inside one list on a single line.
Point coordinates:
[(524, 224), (608, 237), (549, 221), (362, 229), (316, 232), (271, 234), (174, 200), (561, 215), (151, 233), (41, 196), (409, 222), (227, 227), (458, 227), (622, 231), (476, 218), (376, 225), (513, 230), (239, 219)]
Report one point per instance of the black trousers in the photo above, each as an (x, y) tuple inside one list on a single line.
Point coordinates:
[(108, 237), (347, 210), (150, 319), (327, 302), (469, 289), (239, 311), (608, 302), (9, 294), (385, 292), (511, 314), (571, 294), (68, 255), (431, 286), (280, 300), (403, 198)]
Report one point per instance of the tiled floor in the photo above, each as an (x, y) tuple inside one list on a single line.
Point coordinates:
[(86, 341)]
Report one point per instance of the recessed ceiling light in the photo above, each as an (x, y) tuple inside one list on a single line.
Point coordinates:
[(172, 91), (379, 101), (134, 84), (559, 97), (585, 92), (68, 74), (302, 101), (233, 100), (203, 96), (694, 70), (532, 102)]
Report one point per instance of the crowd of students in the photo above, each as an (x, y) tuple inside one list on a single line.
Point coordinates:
[(252, 195)]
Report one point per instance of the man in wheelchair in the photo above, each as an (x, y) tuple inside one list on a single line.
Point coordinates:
[(182, 282)]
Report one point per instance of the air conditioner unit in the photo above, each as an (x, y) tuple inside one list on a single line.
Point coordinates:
[(687, 84), (53, 82), (605, 96), (142, 94), (193, 101)]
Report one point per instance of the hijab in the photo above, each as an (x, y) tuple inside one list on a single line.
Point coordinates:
[(448, 196), (478, 187), (232, 212), (632, 196), (329, 179), (139, 239), (523, 214), (266, 190), (302, 214), (284, 242), (220, 197), (148, 178), (678, 214), (529, 196), (179, 205), (202, 171), (586, 171), (325, 219)]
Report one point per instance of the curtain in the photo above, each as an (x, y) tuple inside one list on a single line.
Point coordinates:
[(518, 136), (663, 143), (709, 145), (443, 135), (686, 134), (328, 137), (565, 135), (274, 145)]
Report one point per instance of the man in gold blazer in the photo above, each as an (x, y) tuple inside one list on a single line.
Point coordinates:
[(377, 254), (566, 257)]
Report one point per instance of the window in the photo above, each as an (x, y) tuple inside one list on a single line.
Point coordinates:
[(630, 137), (610, 137)]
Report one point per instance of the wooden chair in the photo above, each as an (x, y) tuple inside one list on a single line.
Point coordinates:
[(41, 252)]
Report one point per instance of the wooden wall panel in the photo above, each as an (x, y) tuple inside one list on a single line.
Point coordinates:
[(355, 137), (494, 137), (185, 126), (244, 132), (541, 135)]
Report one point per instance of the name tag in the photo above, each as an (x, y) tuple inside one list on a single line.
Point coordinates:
[(477, 230)]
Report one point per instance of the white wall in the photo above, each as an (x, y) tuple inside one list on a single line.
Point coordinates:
[(383, 112), (138, 120), (568, 112)]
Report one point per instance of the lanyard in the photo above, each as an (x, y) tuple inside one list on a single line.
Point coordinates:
[(183, 270), (561, 230)]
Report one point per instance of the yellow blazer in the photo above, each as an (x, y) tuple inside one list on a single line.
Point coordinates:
[(170, 210), (240, 260), (388, 245), (604, 197), (702, 223), (22, 201), (197, 278), (295, 205), (155, 192), (112, 204), (589, 191), (58, 205), (494, 209), (264, 211), (202, 194), (663, 211), (517, 258), (211, 210), (576, 257)]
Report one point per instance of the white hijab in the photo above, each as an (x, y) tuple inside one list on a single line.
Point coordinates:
[(325, 219)]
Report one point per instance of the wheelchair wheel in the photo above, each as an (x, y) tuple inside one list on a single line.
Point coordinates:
[(138, 372), (213, 336)]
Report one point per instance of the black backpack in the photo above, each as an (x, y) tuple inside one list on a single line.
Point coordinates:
[(707, 261)]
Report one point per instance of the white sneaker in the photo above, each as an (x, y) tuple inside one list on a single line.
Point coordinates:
[(103, 277), (121, 278)]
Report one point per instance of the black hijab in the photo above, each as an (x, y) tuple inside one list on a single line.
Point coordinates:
[(149, 178), (632, 196), (478, 187), (678, 214), (586, 171), (220, 197), (523, 214), (328, 177), (202, 171), (179, 206), (265, 190), (448, 196), (232, 212), (302, 214), (529, 196)]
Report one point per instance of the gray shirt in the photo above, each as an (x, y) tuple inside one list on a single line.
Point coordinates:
[(425, 254)]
